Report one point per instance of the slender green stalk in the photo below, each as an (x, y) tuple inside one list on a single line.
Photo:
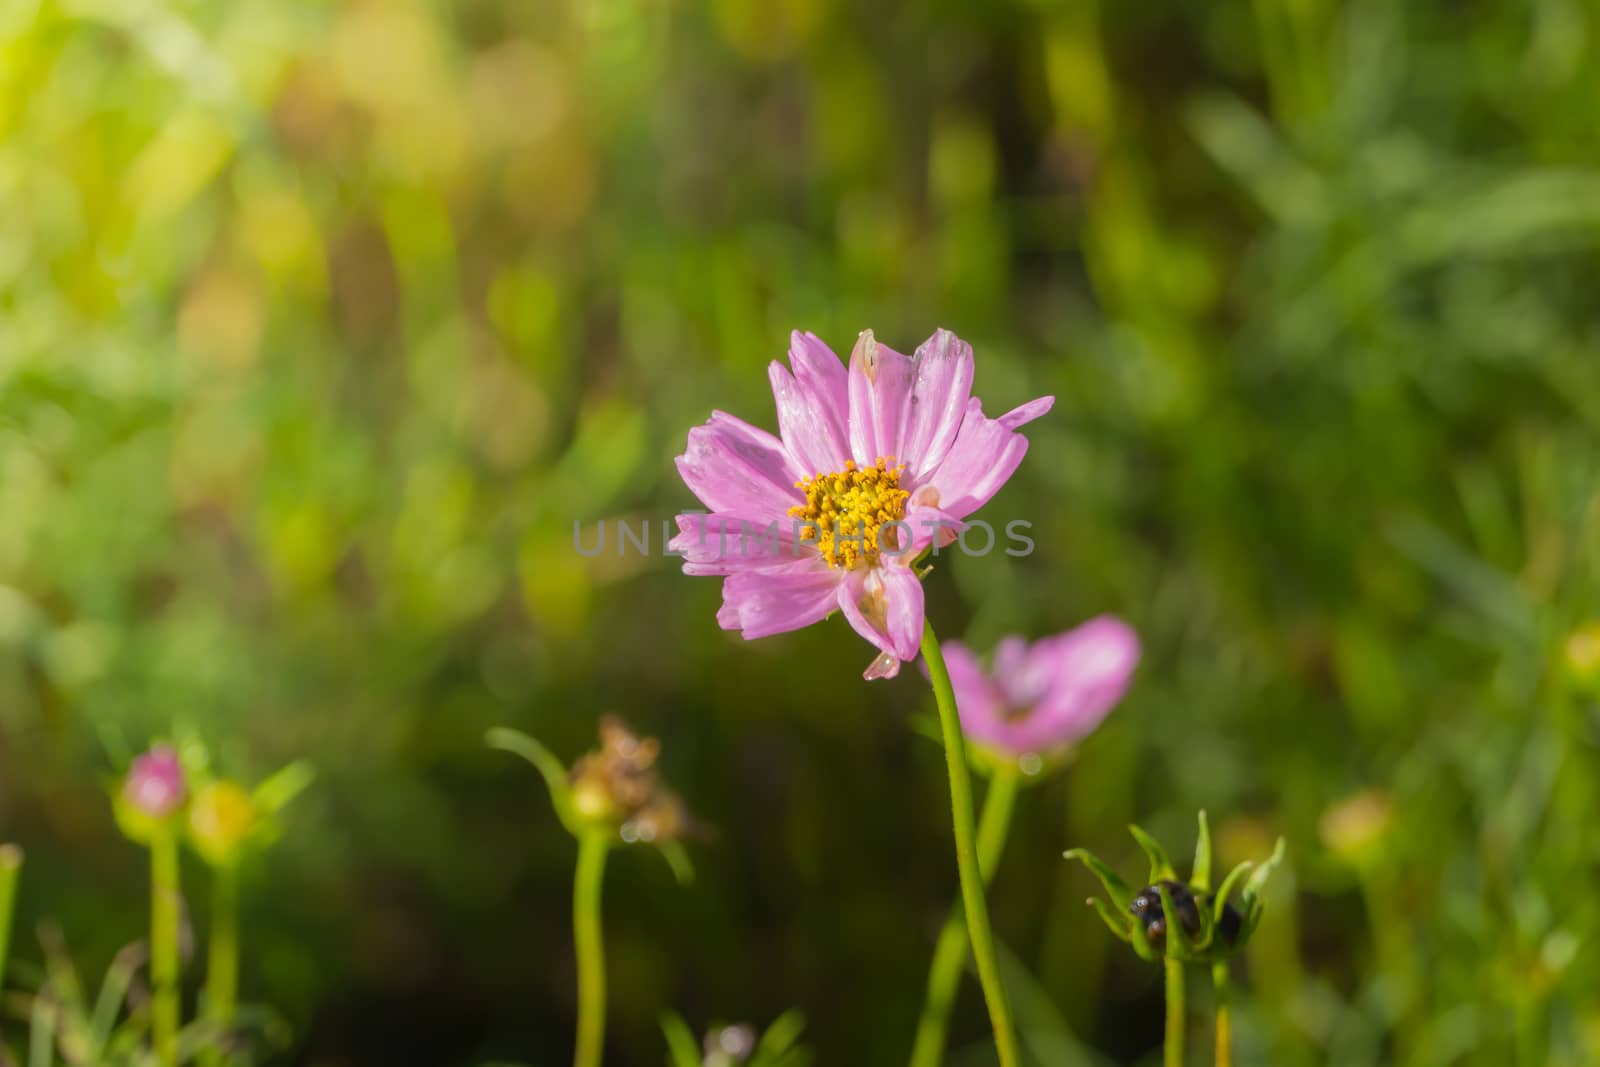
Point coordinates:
[(164, 905), (1173, 1051), (977, 911), (10, 871), (950, 952), (592, 848), (222, 960), (1224, 997)]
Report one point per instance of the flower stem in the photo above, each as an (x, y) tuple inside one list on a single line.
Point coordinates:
[(222, 961), (1175, 1015), (592, 848), (164, 905), (977, 911), (950, 952), (1224, 997)]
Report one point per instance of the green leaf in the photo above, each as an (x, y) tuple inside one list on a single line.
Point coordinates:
[(1200, 876), (1160, 867), (682, 1048), (1115, 887)]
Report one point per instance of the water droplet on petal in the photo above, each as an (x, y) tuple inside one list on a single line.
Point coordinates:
[(884, 666)]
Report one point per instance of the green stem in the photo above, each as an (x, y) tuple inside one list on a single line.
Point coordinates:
[(592, 848), (164, 904), (950, 952), (10, 871), (977, 911), (222, 961), (1224, 998), (1175, 1015)]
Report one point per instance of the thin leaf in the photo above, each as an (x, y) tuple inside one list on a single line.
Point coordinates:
[(1160, 867), (1115, 887), (113, 991), (1200, 876), (682, 1048)]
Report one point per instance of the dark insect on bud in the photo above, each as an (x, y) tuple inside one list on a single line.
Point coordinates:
[(1146, 907)]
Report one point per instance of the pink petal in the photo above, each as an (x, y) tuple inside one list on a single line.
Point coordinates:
[(786, 597), (880, 381), (1026, 413), (720, 543), (937, 401), (983, 458), (806, 423), (926, 522), (820, 372), (735, 467), (1092, 667), (884, 605)]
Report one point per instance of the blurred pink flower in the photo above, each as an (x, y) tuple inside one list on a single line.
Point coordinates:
[(868, 465), (1047, 695), (155, 785)]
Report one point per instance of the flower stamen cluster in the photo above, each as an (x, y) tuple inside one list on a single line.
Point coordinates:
[(845, 512)]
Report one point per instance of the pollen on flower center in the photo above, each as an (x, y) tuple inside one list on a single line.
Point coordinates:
[(845, 512)]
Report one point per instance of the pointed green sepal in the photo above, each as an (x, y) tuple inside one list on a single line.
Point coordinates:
[(1258, 880), (1179, 944), (1235, 876), (1115, 887), (545, 762), (1200, 876), (1118, 922), (1160, 867), (1141, 942), (677, 858)]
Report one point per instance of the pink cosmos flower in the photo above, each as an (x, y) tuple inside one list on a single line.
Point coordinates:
[(155, 784), (1047, 695), (870, 465)]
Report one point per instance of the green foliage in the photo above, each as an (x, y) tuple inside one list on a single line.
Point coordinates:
[(321, 323)]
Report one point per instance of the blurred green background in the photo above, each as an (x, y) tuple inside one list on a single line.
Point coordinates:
[(322, 323)]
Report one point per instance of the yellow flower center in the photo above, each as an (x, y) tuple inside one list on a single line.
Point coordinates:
[(845, 512)]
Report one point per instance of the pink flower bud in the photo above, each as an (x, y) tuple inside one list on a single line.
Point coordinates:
[(155, 785)]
